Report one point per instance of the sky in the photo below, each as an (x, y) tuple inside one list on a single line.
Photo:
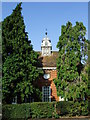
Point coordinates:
[(39, 16)]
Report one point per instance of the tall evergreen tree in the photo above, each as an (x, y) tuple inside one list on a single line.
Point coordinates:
[(19, 60), (72, 53), (0, 61)]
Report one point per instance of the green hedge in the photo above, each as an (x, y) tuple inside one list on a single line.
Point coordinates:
[(28, 110), (72, 108), (14, 111), (44, 110)]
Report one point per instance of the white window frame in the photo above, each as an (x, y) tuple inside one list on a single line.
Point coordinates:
[(45, 93), (14, 100)]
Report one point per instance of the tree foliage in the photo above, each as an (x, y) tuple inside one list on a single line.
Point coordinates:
[(72, 57), (19, 59)]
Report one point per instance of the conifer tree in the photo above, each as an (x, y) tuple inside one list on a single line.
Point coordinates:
[(19, 60), (72, 53)]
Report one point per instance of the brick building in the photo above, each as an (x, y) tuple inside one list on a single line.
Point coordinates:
[(47, 62)]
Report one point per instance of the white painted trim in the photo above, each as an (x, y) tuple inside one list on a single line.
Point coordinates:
[(45, 93), (49, 94), (61, 99), (48, 68)]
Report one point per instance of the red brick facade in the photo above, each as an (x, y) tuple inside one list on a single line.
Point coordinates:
[(49, 82), (47, 62)]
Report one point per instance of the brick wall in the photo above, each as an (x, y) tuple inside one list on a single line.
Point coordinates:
[(42, 82)]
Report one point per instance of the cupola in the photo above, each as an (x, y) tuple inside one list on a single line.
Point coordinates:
[(46, 46)]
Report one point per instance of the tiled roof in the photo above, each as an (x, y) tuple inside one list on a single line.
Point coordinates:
[(48, 61)]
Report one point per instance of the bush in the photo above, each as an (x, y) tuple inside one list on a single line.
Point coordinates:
[(70, 108), (44, 110), (28, 110), (15, 111), (62, 108)]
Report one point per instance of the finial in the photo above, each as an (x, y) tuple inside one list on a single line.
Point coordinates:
[(46, 32)]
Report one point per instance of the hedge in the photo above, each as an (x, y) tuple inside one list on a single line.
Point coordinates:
[(28, 110), (14, 111), (44, 110), (72, 108)]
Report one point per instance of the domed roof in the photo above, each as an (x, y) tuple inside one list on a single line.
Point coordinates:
[(46, 41), (46, 46), (45, 38)]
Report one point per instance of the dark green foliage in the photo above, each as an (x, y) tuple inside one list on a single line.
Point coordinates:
[(0, 67), (45, 110), (33, 110), (19, 60), (72, 53), (13, 33), (42, 110), (71, 108), (89, 70), (21, 111)]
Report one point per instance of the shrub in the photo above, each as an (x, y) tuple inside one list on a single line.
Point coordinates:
[(15, 111), (71, 108), (44, 110), (28, 110)]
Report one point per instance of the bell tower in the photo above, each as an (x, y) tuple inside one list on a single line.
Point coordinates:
[(46, 46)]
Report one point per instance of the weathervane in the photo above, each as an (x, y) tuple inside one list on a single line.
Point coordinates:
[(46, 31)]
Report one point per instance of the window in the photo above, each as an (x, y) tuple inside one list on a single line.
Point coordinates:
[(14, 101), (46, 44), (29, 99), (47, 51), (46, 94)]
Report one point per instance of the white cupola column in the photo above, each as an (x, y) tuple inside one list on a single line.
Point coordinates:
[(46, 46)]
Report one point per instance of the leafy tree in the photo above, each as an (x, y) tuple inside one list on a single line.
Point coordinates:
[(88, 75), (84, 83), (0, 61), (19, 60), (72, 55)]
